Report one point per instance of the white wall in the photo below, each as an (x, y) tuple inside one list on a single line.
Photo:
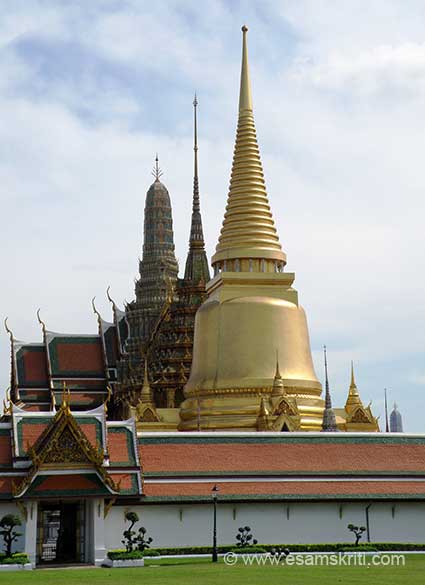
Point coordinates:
[(186, 525), (6, 508)]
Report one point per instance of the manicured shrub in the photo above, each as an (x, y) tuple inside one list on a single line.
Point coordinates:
[(293, 548), (252, 549), (7, 530), (15, 559), (357, 531), (244, 537), (360, 548), (123, 555), (135, 540)]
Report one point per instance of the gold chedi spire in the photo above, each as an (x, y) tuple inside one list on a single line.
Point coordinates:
[(251, 315), (248, 234), (353, 398)]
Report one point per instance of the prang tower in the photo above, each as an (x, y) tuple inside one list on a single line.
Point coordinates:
[(252, 367)]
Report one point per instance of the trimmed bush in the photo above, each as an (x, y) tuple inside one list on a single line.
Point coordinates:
[(293, 548), (360, 548), (123, 555), (250, 549), (15, 559)]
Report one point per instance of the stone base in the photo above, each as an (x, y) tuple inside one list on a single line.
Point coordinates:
[(25, 567), (124, 563)]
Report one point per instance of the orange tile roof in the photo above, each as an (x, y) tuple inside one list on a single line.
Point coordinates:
[(308, 488), (281, 457)]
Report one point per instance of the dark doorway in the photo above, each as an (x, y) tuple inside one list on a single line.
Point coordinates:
[(284, 429), (60, 534)]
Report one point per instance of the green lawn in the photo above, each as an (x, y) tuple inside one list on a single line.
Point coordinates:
[(203, 572)]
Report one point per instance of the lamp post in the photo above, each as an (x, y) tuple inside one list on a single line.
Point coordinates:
[(215, 491)]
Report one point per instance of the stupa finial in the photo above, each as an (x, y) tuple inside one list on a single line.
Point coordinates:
[(248, 231), (157, 172), (353, 382), (245, 97)]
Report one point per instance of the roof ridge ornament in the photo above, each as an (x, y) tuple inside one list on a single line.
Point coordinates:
[(109, 297), (98, 315), (8, 330), (42, 323)]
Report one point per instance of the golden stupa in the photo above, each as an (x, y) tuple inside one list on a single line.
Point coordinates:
[(252, 367)]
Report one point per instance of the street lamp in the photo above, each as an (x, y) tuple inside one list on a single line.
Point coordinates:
[(215, 491)]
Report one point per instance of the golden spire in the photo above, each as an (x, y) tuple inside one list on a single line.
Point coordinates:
[(248, 230), (278, 387), (264, 411), (146, 394), (353, 398)]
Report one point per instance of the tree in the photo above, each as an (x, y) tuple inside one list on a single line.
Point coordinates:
[(244, 537), (130, 538), (8, 524), (358, 532)]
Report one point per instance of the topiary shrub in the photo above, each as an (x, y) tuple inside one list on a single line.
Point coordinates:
[(130, 537), (135, 540), (358, 532), (7, 530), (143, 542), (244, 537), (280, 551)]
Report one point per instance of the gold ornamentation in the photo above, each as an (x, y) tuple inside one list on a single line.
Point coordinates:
[(61, 446), (359, 416), (108, 506)]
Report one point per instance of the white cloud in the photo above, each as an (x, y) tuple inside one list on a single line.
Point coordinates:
[(344, 174), (380, 69)]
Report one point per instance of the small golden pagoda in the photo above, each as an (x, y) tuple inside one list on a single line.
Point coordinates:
[(355, 417), (251, 313)]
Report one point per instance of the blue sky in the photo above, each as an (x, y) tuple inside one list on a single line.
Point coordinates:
[(90, 91)]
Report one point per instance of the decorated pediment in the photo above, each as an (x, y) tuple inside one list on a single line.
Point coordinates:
[(287, 423), (65, 449), (146, 413), (64, 446), (286, 407), (360, 416)]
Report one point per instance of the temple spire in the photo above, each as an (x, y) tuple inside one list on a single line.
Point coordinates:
[(387, 424), (353, 398), (196, 233), (329, 421), (278, 387), (196, 269), (248, 230)]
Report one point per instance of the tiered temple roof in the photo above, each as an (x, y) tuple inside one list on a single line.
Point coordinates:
[(58, 453)]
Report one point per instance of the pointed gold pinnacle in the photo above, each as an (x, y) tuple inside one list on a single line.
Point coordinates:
[(248, 229)]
